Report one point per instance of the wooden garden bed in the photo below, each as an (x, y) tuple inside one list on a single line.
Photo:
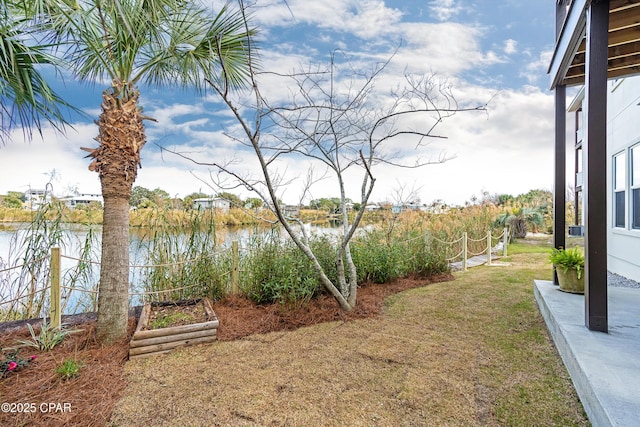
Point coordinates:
[(163, 327)]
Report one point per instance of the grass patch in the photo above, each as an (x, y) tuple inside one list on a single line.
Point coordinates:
[(474, 351)]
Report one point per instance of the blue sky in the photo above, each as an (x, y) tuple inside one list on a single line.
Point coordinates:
[(488, 50)]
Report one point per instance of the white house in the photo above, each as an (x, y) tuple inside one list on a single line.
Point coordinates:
[(623, 173), (83, 200), (34, 198), (212, 203)]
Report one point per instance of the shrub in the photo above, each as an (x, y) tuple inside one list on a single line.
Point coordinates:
[(277, 271)]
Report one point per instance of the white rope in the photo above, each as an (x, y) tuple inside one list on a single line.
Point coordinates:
[(35, 261), (147, 265), (12, 268), (73, 288), (414, 238), (447, 243), (164, 291), (24, 296), (476, 254), (89, 261), (454, 257), (500, 236)]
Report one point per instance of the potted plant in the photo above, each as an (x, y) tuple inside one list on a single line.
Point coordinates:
[(569, 266)]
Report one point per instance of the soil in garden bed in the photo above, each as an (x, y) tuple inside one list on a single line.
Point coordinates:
[(168, 314)]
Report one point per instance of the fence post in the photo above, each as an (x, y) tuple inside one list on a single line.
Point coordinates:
[(505, 241), (427, 243), (55, 309), (464, 251), (489, 247), (235, 267)]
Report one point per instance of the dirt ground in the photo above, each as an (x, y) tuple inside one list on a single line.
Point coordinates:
[(37, 396)]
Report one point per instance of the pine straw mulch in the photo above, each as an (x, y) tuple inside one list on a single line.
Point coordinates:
[(92, 395)]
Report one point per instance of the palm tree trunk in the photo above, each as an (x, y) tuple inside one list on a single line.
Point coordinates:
[(113, 299), (116, 160)]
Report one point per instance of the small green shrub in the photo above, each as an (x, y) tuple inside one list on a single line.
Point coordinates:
[(279, 272), (70, 368), (48, 338)]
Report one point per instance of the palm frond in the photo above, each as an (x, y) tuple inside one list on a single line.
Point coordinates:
[(26, 97)]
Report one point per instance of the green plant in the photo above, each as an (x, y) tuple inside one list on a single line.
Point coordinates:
[(70, 368), (49, 337), (567, 259), (13, 362), (277, 271)]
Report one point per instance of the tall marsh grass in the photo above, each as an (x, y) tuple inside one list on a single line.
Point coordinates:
[(182, 253)]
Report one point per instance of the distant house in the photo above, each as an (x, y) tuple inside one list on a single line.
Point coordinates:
[(35, 198), (82, 200), (291, 211), (212, 203)]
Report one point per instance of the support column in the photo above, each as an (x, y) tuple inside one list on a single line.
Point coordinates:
[(559, 188), (595, 170)]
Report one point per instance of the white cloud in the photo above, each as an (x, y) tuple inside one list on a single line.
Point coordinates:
[(363, 18), (510, 46), (443, 10), (28, 165), (536, 69)]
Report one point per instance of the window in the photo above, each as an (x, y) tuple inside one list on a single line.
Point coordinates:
[(635, 187), (619, 193)]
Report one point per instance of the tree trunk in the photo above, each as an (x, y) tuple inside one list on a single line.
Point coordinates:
[(116, 160), (113, 299)]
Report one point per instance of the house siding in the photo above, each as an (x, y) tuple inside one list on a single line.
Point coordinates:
[(623, 132)]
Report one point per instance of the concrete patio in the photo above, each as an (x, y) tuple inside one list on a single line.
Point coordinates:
[(604, 367)]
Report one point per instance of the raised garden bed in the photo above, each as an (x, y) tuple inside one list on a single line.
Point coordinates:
[(165, 326)]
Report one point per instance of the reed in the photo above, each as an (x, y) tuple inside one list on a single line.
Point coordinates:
[(183, 254), (24, 280)]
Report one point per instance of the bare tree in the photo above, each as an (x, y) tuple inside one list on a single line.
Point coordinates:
[(332, 117)]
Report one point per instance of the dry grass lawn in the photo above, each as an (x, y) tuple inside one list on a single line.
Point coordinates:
[(473, 351)]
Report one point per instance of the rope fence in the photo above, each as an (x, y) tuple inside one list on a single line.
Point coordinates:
[(464, 242), (55, 272)]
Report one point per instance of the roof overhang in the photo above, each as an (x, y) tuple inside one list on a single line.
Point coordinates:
[(568, 62)]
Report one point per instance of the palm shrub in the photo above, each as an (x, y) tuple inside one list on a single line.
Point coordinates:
[(519, 220)]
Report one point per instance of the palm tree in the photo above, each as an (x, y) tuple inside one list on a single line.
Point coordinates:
[(25, 96), (129, 43), (519, 219)]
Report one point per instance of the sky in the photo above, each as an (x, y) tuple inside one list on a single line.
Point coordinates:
[(492, 53)]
